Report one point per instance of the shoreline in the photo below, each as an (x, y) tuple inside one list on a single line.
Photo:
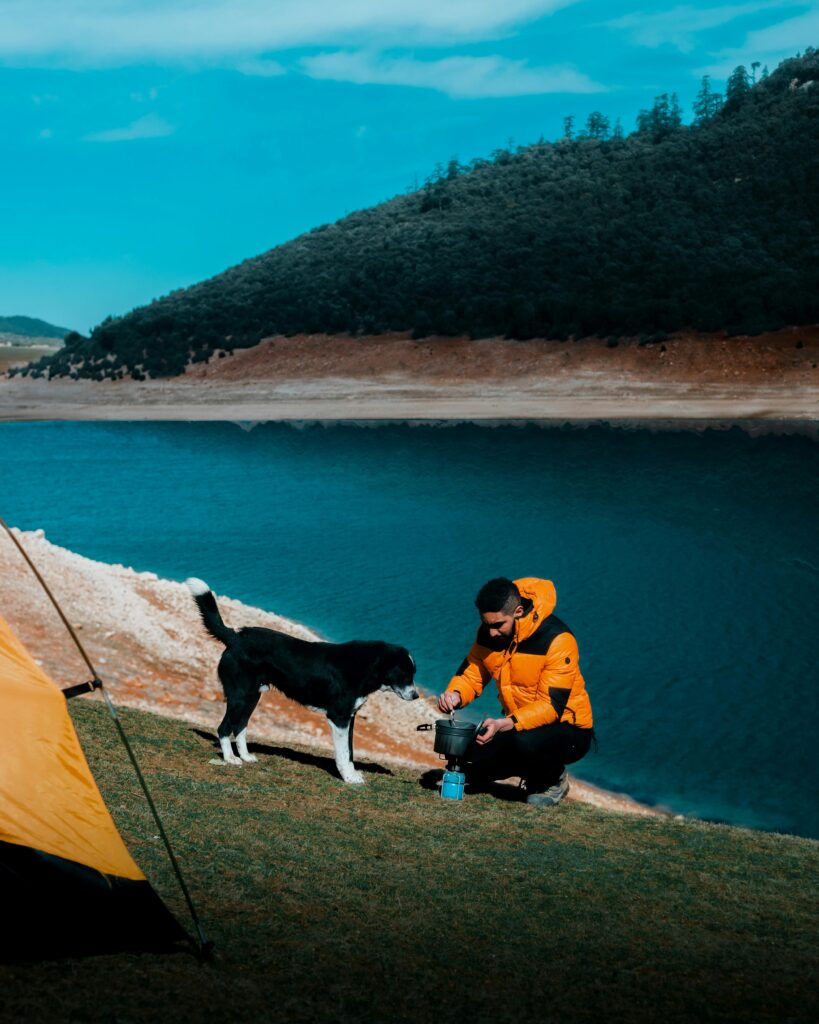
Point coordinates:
[(144, 635), (766, 383), (358, 401)]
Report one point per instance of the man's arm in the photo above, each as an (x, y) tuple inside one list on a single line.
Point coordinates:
[(555, 685), (468, 682)]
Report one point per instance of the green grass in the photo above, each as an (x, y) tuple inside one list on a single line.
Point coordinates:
[(385, 903)]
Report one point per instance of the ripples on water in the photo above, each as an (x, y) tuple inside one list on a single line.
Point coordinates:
[(686, 565)]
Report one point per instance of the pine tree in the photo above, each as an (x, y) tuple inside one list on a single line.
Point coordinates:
[(436, 176), (664, 117), (675, 113), (707, 103), (568, 126), (597, 125), (737, 87)]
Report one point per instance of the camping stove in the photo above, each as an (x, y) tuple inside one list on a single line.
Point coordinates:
[(452, 741)]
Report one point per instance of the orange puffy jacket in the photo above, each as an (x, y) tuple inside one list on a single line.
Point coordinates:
[(538, 675)]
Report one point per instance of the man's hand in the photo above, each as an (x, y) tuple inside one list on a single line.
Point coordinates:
[(448, 701), (491, 726)]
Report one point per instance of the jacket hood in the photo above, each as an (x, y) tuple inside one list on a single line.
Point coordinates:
[(543, 598)]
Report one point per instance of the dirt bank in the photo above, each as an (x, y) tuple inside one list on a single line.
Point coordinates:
[(785, 357), (689, 379), (144, 636)]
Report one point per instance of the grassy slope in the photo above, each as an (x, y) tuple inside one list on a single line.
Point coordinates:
[(385, 903)]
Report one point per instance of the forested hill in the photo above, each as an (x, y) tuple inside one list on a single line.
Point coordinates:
[(710, 225), (30, 327)]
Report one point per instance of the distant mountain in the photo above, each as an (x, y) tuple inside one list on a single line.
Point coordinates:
[(713, 225), (30, 327)]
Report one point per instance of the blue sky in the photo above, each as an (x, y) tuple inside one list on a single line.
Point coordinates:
[(152, 143)]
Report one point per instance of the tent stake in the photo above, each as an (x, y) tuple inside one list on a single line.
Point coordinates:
[(205, 947)]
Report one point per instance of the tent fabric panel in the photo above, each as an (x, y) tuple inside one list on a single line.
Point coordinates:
[(49, 800), (53, 907)]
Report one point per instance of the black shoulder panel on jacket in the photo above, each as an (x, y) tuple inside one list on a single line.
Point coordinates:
[(541, 640)]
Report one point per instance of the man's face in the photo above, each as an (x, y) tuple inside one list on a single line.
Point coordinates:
[(501, 625)]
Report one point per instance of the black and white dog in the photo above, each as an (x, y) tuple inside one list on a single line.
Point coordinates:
[(333, 678)]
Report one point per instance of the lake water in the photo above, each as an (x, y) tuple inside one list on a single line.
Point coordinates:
[(687, 566)]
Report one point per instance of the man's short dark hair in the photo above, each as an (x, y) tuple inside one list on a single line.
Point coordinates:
[(500, 595)]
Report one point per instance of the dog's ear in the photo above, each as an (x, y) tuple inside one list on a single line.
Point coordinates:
[(397, 666), (385, 665), (382, 662)]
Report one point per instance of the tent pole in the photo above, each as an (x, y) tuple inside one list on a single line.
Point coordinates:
[(205, 946)]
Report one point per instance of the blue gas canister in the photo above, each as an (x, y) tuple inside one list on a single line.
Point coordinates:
[(452, 785)]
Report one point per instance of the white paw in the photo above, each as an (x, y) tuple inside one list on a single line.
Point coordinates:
[(232, 759), (354, 778), (250, 758)]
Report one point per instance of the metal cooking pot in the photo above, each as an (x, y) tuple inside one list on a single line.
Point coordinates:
[(452, 739)]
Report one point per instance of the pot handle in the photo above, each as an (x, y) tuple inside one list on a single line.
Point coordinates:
[(423, 728)]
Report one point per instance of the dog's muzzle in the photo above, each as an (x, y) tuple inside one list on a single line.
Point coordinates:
[(408, 693)]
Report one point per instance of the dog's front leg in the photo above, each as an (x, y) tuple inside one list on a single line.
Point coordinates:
[(342, 743)]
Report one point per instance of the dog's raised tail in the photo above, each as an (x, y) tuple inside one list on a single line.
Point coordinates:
[(209, 610)]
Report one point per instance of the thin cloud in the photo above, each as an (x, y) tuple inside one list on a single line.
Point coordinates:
[(458, 77), (260, 68), (151, 126), (788, 36), (679, 27), (99, 33), (768, 45)]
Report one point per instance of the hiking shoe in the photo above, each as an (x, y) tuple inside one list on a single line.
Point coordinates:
[(552, 796)]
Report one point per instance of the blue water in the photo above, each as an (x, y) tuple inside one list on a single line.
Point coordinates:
[(687, 565)]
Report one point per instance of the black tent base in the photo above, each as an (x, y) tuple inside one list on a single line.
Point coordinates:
[(57, 908)]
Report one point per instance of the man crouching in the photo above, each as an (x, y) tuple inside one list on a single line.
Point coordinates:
[(533, 657)]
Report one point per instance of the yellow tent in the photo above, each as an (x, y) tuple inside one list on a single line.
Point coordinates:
[(67, 882)]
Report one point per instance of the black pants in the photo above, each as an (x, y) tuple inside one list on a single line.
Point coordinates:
[(537, 755)]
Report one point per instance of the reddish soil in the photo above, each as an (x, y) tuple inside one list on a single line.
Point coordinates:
[(786, 357)]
